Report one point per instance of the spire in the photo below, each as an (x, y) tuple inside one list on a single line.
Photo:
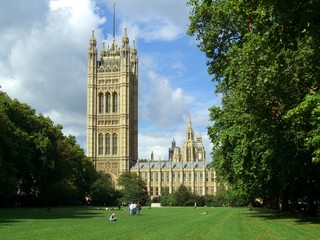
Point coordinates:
[(92, 51), (189, 123), (93, 42), (134, 49), (125, 39), (103, 52), (173, 143), (190, 133)]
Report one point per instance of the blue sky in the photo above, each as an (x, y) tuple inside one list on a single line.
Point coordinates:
[(44, 46)]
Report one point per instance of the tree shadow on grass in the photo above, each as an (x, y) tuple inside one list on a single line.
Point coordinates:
[(268, 214), (8, 216)]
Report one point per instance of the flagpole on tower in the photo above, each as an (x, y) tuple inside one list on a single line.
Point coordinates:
[(114, 18)]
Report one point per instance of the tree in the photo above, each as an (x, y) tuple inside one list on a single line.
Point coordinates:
[(8, 140), (166, 199), (134, 189), (38, 164), (183, 197), (103, 192), (264, 57)]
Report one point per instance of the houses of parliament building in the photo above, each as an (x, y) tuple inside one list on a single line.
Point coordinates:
[(112, 127)]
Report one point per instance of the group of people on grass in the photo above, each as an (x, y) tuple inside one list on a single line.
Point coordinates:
[(133, 209)]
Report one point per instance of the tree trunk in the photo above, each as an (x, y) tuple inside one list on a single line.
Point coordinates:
[(283, 203)]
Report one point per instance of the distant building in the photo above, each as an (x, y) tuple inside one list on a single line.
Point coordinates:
[(112, 127), (188, 168)]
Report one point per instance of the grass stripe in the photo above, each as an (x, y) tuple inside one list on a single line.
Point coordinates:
[(159, 223)]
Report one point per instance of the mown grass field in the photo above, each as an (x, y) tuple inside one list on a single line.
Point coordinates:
[(157, 223)]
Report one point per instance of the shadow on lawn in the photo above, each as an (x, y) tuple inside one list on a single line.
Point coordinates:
[(8, 216), (274, 214)]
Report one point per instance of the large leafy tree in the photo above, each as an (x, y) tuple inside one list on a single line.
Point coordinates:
[(183, 197), (134, 189), (264, 57), (8, 140), (103, 191), (38, 164)]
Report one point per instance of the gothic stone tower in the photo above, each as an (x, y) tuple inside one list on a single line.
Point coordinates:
[(112, 106), (192, 150)]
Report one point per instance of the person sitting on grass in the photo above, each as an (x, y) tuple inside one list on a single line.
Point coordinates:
[(113, 217)]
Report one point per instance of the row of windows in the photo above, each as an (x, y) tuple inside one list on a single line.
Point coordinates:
[(177, 176), (106, 143), (154, 191), (108, 102)]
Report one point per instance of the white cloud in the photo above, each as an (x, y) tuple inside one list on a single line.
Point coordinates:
[(164, 104), (164, 20), (43, 62)]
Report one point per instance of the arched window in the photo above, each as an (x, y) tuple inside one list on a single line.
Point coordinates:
[(100, 144), (101, 103), (108, 151), (108, 102), (114, 102), (114, 144)]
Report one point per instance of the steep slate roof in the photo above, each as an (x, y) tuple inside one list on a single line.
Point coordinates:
[(166, 165)]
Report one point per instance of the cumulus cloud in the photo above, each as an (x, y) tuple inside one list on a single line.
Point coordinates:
[(159, 143), (163, 20), (164, 104), (42, 63)]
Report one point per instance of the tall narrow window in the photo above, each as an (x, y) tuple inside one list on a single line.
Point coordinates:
[(100, 144), (114, 102), (108, 102), (156, 176), (101, 103), (212, 176), (114, 144), (108, 144)]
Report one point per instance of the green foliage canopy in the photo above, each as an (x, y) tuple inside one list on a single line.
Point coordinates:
[(38, 164), (134, 189), (264, 57)]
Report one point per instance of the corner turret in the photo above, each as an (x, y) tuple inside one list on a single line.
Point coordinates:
[(103, 52), (125, 39), (93, 42), (92, 51)]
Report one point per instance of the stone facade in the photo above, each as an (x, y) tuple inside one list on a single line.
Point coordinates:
[(112, 106), (187, 167), (112, 127)]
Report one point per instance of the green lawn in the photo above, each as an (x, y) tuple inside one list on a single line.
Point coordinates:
[(160, 223)]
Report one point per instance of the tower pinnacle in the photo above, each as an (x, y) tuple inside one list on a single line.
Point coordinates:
[(93, 42), (103, 52), (189, 122), (125, 39)]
